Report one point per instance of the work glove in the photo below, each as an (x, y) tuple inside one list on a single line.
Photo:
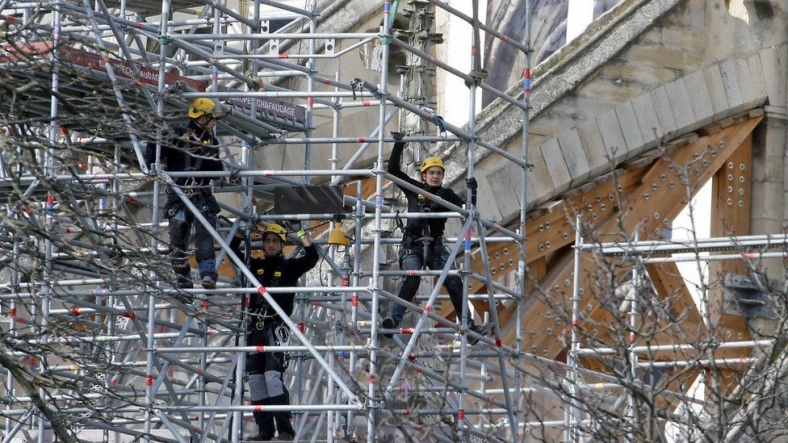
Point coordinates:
[(296, 227), (473, 185)]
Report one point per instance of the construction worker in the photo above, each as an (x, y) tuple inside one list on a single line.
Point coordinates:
[(266, 328), (422, 233), (192, 148)]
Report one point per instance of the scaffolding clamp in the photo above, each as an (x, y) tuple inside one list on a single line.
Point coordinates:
[(360, 85)]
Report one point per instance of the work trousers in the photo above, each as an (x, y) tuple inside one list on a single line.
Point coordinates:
[(181, 222), (412, 258)]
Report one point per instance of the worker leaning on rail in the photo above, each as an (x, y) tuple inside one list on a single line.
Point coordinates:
[(193, 147), (266, 328), (422, 233)]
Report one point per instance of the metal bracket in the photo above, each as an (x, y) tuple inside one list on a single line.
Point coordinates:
[(273, 46), (745, 297)]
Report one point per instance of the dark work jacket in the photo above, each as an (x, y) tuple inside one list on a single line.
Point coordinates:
[(187, 148), (415, 228), (265, 269)]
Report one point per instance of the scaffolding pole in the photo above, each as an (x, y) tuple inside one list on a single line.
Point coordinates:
[(164, 358)]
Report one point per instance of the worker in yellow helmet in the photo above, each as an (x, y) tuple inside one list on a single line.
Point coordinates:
[(266, 328), (422, 239), (193, 147)]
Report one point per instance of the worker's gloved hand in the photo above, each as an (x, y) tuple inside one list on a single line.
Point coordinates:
[(397, 135), (473, 185), (296, 227)]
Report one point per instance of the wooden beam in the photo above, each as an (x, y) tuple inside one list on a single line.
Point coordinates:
[(669, 284), (730, 215), (368, 186), (553, 228), (660, 196)]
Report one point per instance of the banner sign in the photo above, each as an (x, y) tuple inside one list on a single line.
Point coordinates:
[(124, 69), (287, 111)]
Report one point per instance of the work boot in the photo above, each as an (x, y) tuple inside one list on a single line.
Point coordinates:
[(389, 323), (482, 330), (208, 282), (282, 418), (260, 437), (285, 436), (264, 421)]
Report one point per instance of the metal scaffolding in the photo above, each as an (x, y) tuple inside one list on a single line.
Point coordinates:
[(88, 299), (148, 362)]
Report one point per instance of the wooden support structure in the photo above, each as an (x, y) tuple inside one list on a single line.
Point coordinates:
[(645, 196)]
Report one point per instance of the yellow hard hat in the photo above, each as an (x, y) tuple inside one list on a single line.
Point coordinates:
[(273, 228), (431, 162), (202, 106)]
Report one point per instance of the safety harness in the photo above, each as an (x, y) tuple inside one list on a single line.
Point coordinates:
[(267, 327)]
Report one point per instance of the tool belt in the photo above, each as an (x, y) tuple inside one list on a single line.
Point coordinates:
[(201, 197), (413, 245)]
